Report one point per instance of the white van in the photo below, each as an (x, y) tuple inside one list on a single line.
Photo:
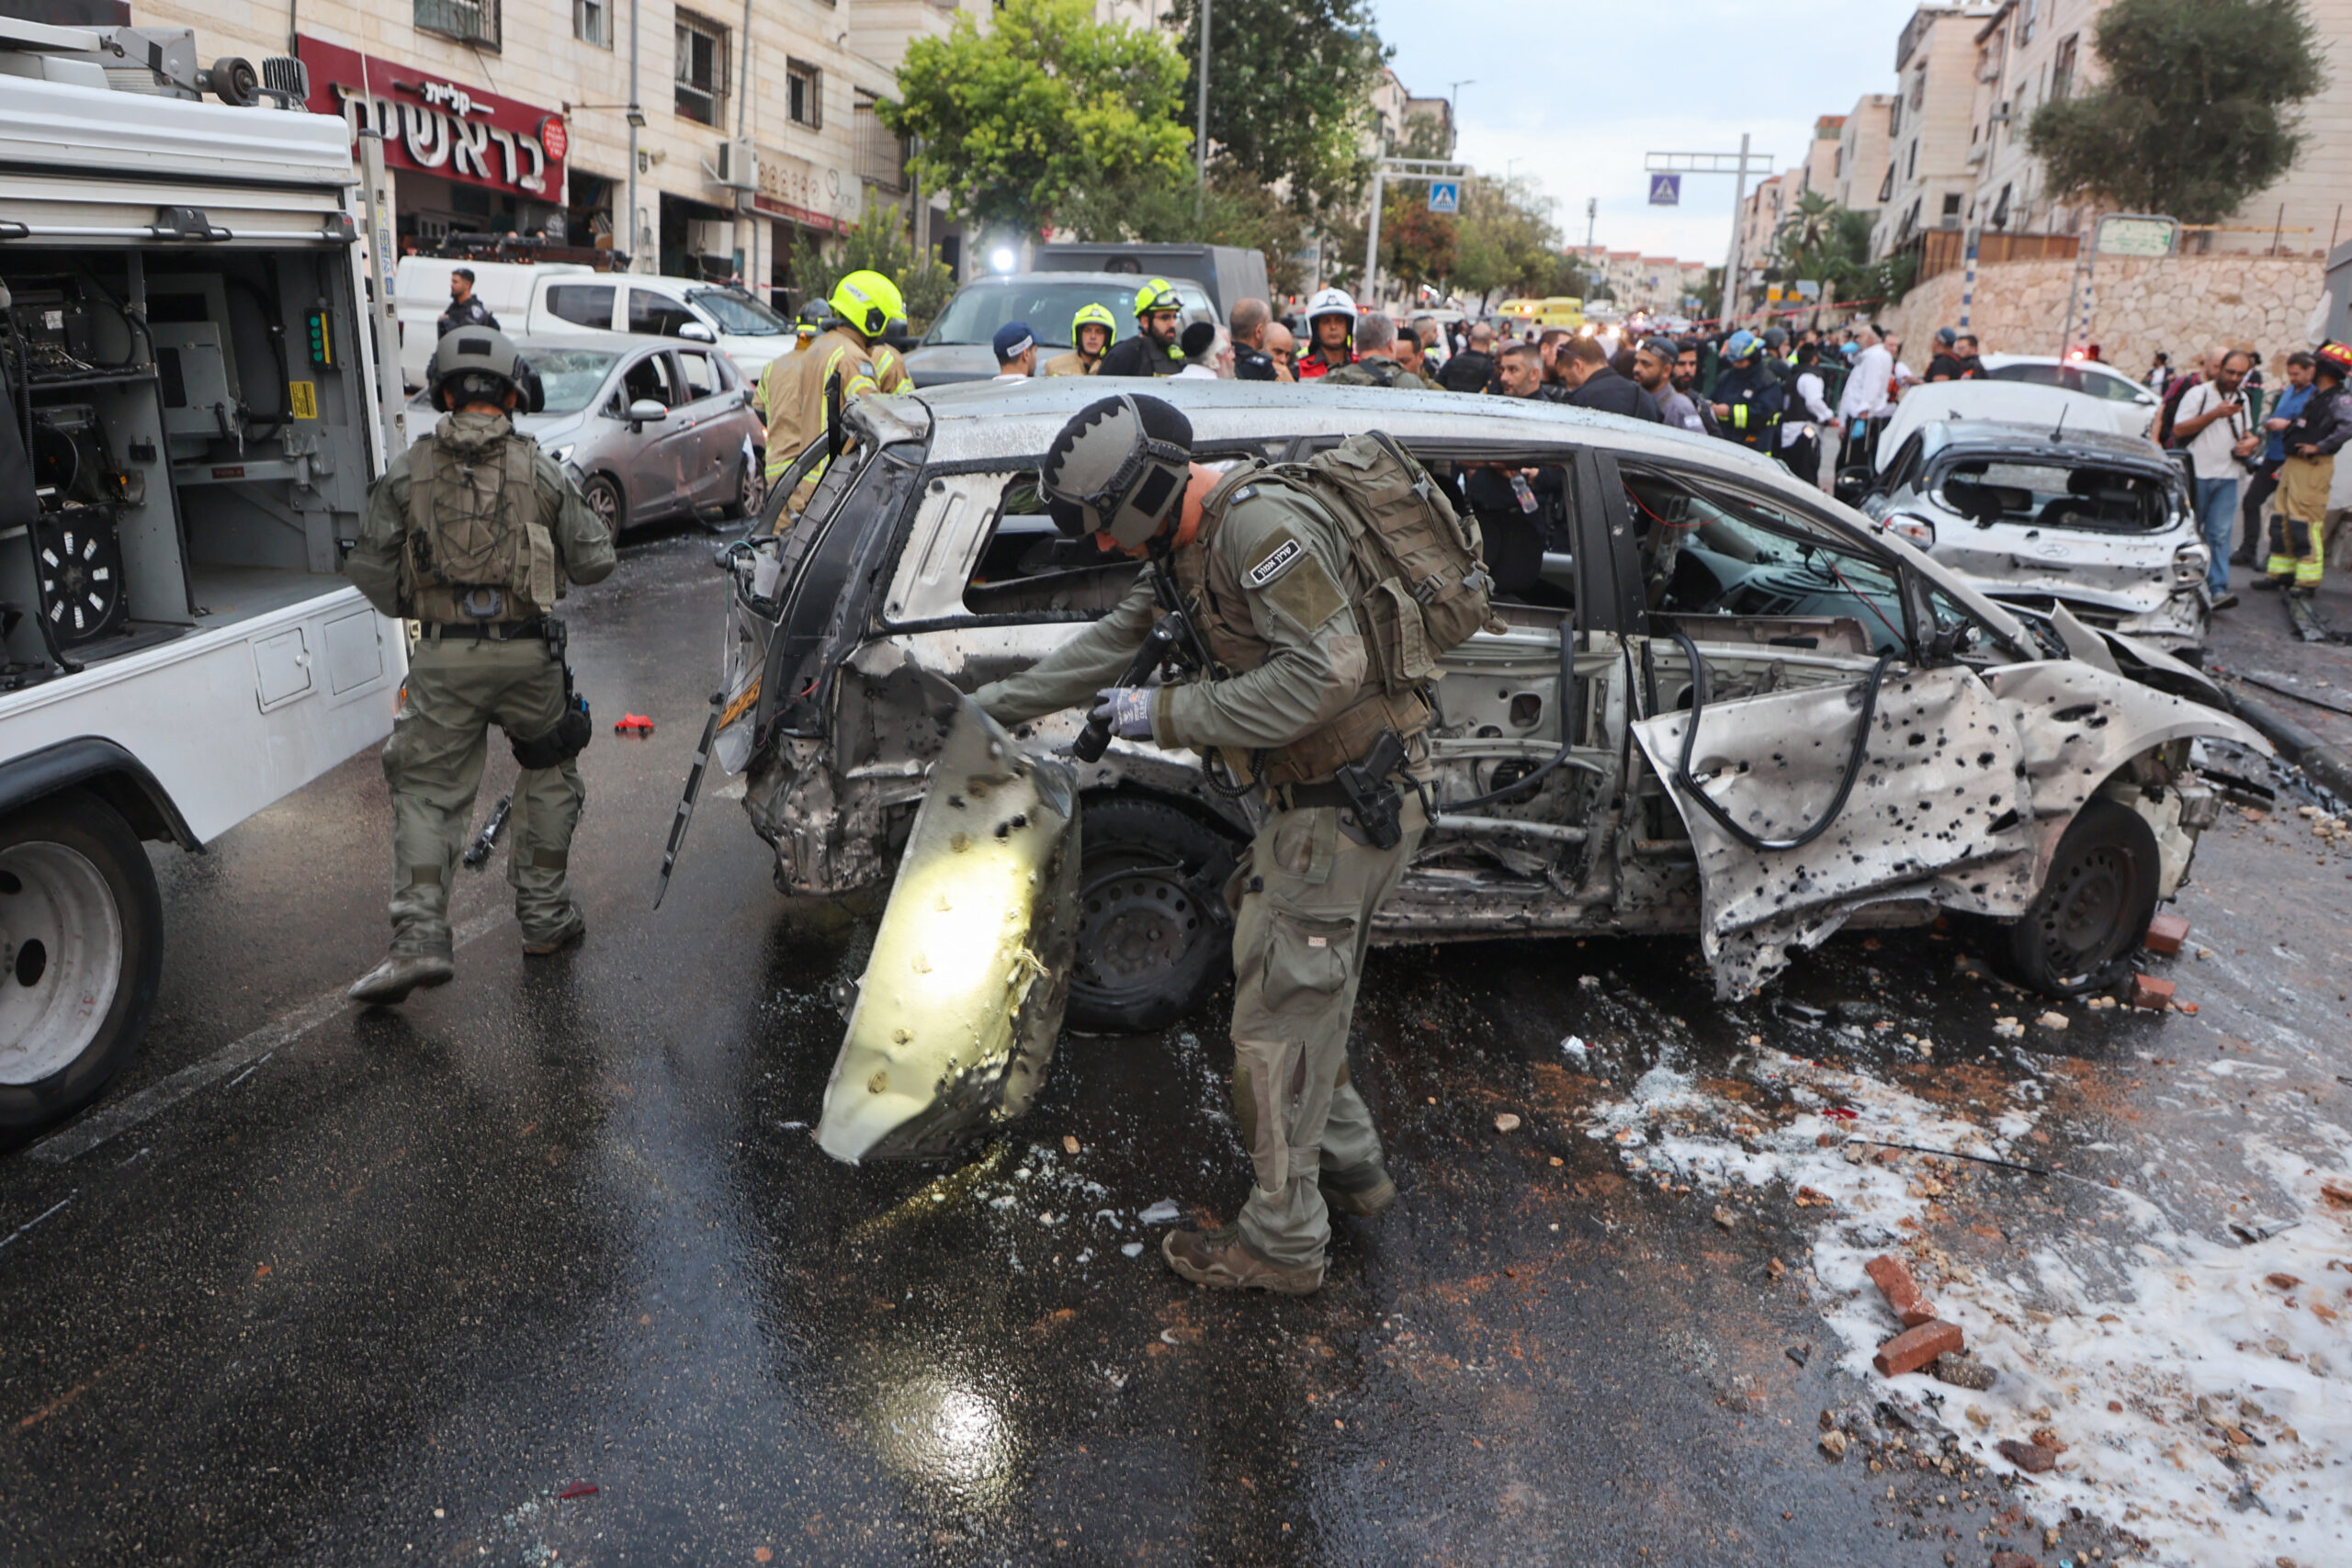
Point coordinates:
[(572, 300)]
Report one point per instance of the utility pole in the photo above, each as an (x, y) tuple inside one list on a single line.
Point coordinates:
[(1738, 163), (636, 123), (1454, 116), (1200, 132), (1413, 171), (1591, 216)]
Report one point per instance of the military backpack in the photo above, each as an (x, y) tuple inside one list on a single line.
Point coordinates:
[(476, 550)]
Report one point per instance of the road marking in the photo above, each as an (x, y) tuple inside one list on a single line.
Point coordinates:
[(38, 1218), (115, 1120)]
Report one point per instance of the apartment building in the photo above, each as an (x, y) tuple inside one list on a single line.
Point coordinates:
[(1859, 169), (1819, 172), (753, 126), (1929, 180)]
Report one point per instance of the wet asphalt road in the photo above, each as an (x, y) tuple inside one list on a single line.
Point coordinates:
[(388, 1289)]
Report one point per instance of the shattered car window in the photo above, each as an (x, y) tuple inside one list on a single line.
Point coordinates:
[(1711, 551), (1028, 565), (2055, 495)]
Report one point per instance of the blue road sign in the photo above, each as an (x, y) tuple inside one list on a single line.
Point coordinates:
[(1665, 190), (1445, 196)]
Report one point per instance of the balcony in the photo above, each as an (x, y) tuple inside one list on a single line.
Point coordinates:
[(880, 158), (468, 21)]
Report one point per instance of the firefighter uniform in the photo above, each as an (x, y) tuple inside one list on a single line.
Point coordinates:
[(793, 390)]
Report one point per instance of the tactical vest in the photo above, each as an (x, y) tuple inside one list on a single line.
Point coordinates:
[(1216, 599), (475, 550)]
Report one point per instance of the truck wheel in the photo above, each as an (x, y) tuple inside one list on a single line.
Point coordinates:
[(1154, 938), (2079, 934), (603, 494), (81, 956)]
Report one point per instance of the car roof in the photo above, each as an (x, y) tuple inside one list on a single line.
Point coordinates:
[(605, 344), (1994, 361), (2012, 436), (1100, 279)]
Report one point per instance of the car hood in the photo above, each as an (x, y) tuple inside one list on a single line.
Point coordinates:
[(2121, 572), (944, 364), (551, 430)]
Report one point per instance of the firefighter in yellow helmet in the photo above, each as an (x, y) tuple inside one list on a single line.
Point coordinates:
[(1091, 329), (1153, 351), (792, 389)]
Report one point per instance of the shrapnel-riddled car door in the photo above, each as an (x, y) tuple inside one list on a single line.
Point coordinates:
[(1817, 764)]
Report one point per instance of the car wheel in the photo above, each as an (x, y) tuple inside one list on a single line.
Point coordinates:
[(1154, 938), (82, 929), (2079, 934), (751, 488), (603, 494)]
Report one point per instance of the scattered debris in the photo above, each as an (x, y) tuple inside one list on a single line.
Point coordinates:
[(2009, 1029), (1801, 1354), (1962, 1370), (2004, 1558), (632, 724), (1915, 1348), (1133, 1249), (1776, 1268), (1164, 1212), (2150, 993), (2166, 933), (2338, 1193), (1725, 1217), (1902, 1293), (2281, 1281), (2053, 1021), (1832, 1443), (1506, 1122), (2031, 1457), (1070, 1143), (577, 1490)]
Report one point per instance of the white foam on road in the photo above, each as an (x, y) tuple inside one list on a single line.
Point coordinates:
[(2134, 1311)]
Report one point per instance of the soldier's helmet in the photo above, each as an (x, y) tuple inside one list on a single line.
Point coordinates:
[(481, 365), (1119, 467)]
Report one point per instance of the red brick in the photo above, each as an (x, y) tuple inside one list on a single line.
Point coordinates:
[(2007, 1558), (1915, 1348), (2165, 934), (2151, 993), (2032, 1458), (1902, 1293)]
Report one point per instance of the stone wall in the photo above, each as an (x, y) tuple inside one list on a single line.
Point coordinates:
[(2181, 305)]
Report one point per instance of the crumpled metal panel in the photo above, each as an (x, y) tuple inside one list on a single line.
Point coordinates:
[(962, 998), (1938, 812)]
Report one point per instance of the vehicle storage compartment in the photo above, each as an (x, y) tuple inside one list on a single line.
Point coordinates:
[(195, 423)]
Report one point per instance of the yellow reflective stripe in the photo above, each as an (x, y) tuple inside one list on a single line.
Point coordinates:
[(1739, 416)]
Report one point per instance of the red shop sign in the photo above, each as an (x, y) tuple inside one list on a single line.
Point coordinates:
[(436, 126)]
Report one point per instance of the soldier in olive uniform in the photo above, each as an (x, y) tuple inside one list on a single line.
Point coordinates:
[(472, 532), (1376, 363), (1271, 581)]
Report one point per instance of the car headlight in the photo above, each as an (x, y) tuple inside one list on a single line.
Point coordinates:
[(1914, 527), (560, 453)]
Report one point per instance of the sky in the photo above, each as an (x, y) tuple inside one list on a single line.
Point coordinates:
[(1576, 92)]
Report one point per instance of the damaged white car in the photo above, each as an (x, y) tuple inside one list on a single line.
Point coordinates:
[(2038, 515), (1752, 716)]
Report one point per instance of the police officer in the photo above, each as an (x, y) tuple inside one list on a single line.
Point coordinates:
[(1271, 582), (792, 388), (1153, 351), (1091, 329), (471, 533), (1747, 397), (466, 308)]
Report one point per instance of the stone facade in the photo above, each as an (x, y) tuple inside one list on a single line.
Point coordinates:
[(2181, 306)]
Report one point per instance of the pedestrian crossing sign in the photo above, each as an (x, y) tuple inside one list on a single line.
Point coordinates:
[(1665, 190), (1445, 196)]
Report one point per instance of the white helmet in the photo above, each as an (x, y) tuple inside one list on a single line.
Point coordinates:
[(1330, 302)]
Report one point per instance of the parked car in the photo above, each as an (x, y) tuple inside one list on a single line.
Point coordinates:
[(2085, 376), (2100, 523), (541, 299), (1764, 717), (650, 430), (959, 346)]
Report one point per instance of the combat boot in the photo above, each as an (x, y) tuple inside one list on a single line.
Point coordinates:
[(555, 941), (388, 984), (1365, 1191), (1220, 1260)]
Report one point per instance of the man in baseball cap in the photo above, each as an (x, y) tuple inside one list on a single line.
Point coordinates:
[(1016, 352)]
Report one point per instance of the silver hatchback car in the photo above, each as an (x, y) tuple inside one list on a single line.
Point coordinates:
[(654, 430)]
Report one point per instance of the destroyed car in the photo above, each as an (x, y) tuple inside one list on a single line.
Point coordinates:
[(2100, 522), (1759, 718)]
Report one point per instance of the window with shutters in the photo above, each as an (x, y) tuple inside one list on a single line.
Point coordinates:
[(701, 69), (804, 94), (591, 22), (2061, 69)]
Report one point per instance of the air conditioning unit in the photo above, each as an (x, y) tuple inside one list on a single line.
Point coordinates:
[(738, 167)]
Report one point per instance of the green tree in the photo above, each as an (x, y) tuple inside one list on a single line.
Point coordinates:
[(1290, 92), (1504, 242), (1160, 207), (878, 244), (2197, 111), (1416, 244), (1010, 123)]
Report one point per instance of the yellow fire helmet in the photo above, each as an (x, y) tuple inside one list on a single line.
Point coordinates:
[(867, 301), (1094, 316), (1157, 294)]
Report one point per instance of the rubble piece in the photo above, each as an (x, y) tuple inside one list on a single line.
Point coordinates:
[(1506, 1122), (1832, 1443), (1968, 964), (2031, 1457), (2166, 933), (1915, 1348), (1902, 1293), (1164, 1212), (2281, 1281), (2338, 1193), (1776, 1268), (1070, 1143), (2099, 1004), (1962, 1370), (2043, 1438), (2004, 1558), (2009, 1029), (2151, 993), (1725, 1217), (2053, 1021)]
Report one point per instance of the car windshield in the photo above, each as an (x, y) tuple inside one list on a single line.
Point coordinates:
[(571, 375), (737, 314), (2053, 495), (2073, 379), (975, 314)]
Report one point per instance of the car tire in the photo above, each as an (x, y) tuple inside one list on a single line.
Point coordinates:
[(607, 500), (2080, 931), (83, 928), (751, 489), (1154, 937)]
